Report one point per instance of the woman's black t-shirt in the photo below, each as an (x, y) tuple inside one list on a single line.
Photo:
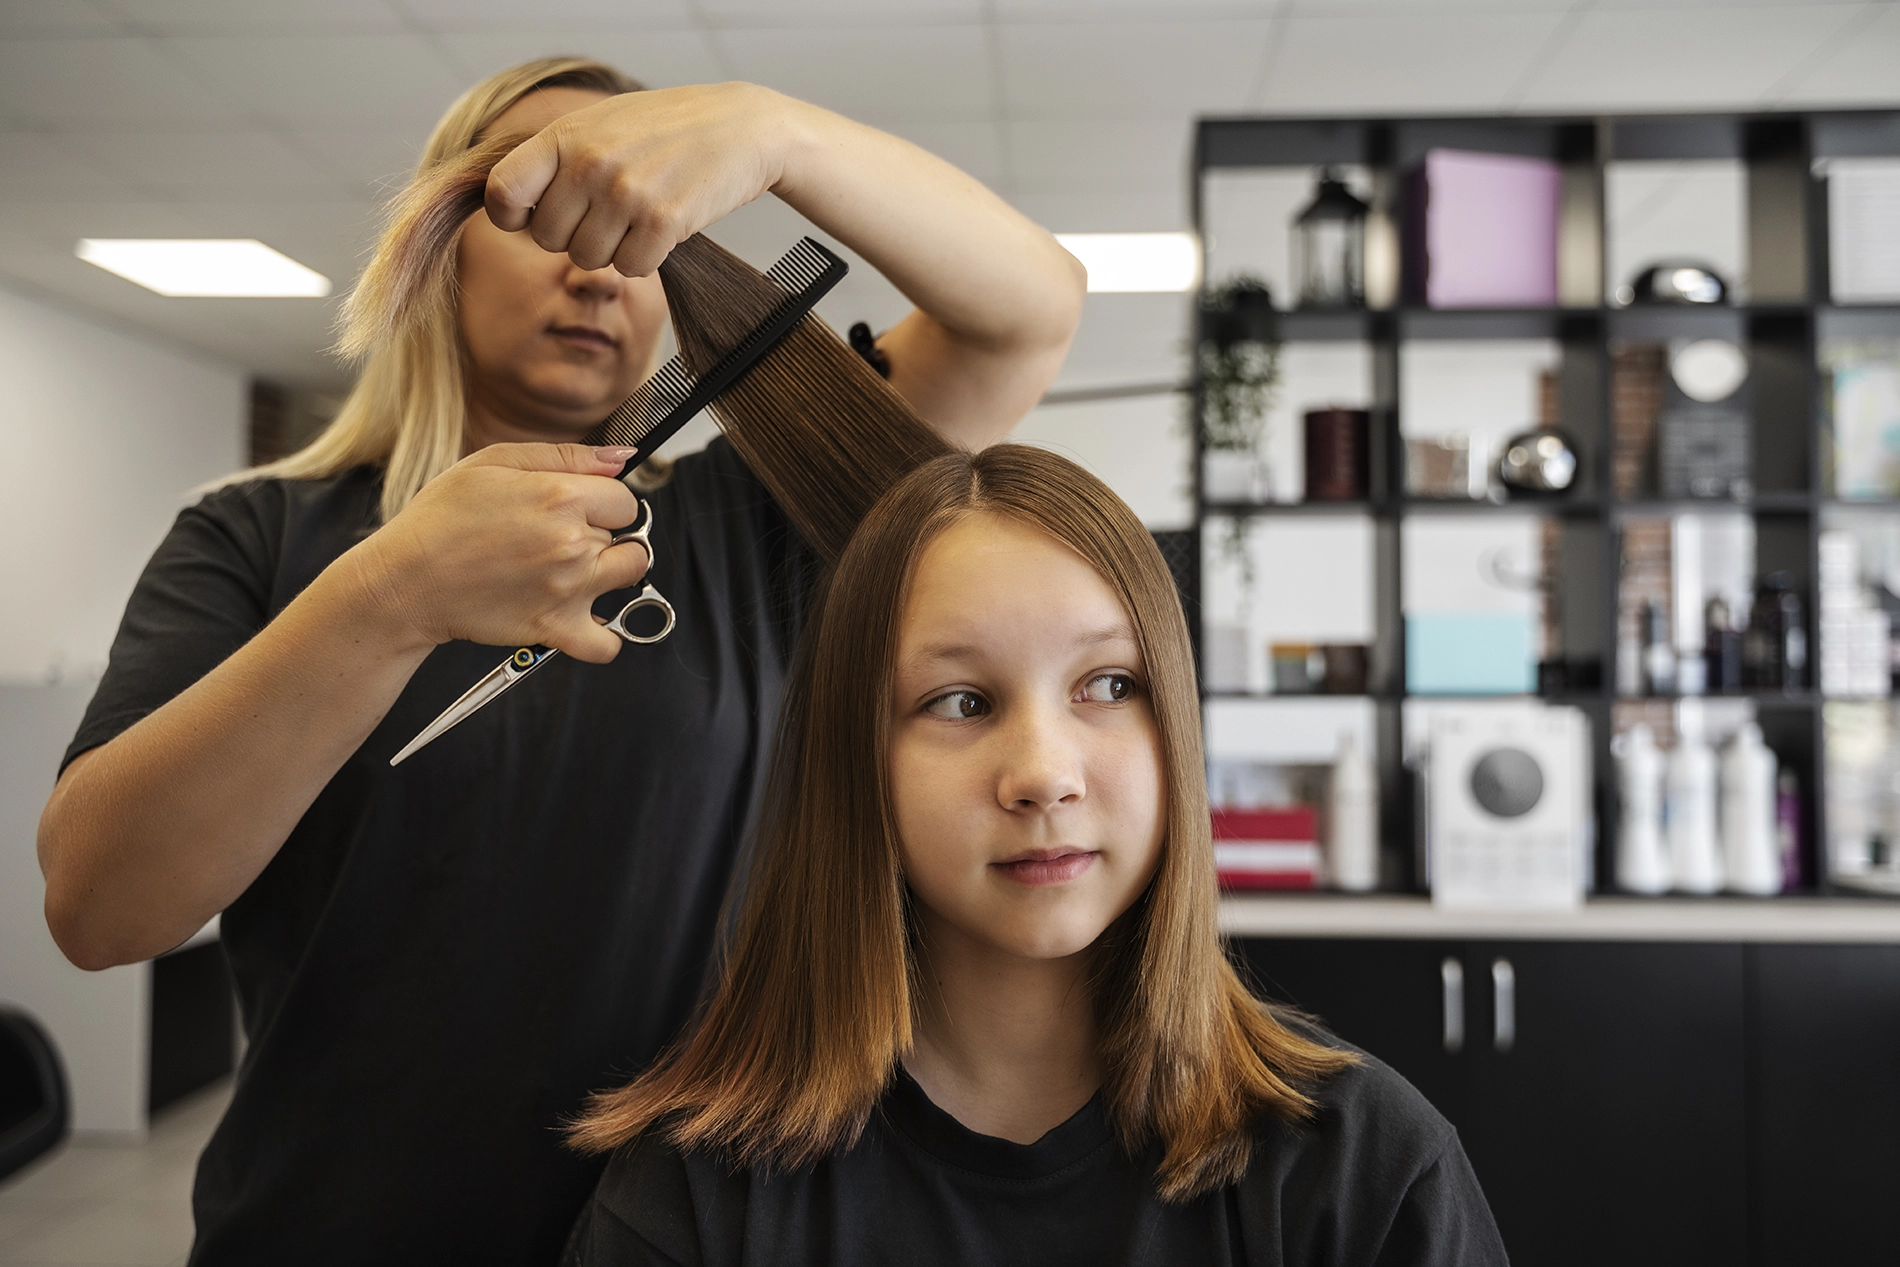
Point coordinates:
[(445, 957), (1376, 1176)]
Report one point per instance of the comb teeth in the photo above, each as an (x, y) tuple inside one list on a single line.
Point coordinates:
[(801, 266), (670, 398), (663, 392)]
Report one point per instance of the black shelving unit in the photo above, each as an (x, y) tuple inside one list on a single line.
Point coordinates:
[(1782, 325)]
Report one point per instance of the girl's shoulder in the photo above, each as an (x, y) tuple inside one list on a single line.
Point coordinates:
[(651, 1206), (1375, 1170)]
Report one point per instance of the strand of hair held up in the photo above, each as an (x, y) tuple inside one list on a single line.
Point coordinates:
[(821, 429)]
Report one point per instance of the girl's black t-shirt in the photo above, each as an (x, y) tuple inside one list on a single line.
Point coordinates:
[(444, 958), (1376, 1176)]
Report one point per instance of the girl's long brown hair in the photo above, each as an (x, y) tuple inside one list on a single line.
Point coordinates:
[(814, 1004)]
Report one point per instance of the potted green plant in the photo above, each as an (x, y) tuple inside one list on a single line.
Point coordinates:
[(1238, 364)]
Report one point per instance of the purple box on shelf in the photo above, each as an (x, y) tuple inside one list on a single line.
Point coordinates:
[(1481, 231)]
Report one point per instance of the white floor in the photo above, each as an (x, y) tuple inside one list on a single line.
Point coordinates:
[(108, 1204)]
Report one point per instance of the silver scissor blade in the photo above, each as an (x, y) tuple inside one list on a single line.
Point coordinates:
[(476, 697)]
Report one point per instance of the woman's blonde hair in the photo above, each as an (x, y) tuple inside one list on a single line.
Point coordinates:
[(407, 412), (815, 1000)]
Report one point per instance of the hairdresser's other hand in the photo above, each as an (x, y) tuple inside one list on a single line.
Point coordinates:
[(624, 181), (511, 546)]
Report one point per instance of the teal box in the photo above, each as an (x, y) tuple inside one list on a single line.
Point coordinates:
[(1470, 653)]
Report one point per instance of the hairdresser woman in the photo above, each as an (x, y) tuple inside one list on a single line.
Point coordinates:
[(436, 962)]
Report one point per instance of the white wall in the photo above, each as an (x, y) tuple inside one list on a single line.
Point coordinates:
[(105, 434)]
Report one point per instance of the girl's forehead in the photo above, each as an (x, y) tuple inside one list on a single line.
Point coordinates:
[(989, 578)]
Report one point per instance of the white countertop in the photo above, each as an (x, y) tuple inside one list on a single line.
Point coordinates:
[(1783, 919)]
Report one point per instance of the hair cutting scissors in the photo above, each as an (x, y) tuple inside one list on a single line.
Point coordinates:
[(527, 659)]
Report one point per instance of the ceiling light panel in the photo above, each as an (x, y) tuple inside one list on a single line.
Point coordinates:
[(1131, 263), (210, 267)]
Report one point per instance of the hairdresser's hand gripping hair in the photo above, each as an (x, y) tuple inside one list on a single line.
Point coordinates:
[(818, 426)]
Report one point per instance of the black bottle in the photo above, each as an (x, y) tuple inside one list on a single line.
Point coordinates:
[(1775, 648), (1721, 648), (1659, 651)]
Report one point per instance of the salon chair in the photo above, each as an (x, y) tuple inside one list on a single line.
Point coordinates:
[(34, 1109)]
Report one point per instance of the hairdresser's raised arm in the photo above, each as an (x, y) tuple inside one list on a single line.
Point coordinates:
[(997, 300)]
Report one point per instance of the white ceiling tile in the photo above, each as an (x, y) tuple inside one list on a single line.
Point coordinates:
[(1129, 69), (54, 17), (875, 74), (376, 161), (1401, 61), (329, 235), (197, 164), (1864, 71), (297, 81), (658, 59), (38, 167), (226, 17), (1060, 156), (781, 13), (54, 226), (1083, 11), (977, 148), (513, 15), (1123, 211), (1637, 59), (121, 80)]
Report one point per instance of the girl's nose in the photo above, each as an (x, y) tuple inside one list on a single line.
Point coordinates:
[(1041, 765)]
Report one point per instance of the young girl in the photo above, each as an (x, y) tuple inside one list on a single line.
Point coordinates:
[(975, 1008)]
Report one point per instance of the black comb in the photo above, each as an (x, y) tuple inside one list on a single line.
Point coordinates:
[(673, 395)]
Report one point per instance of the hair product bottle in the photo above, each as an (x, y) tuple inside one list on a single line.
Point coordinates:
[(1788, 830), (1659, 651), (1352, 820), (1642, 865), (1750, 843), (1695, 861)]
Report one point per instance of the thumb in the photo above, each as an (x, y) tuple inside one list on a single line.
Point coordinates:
[(518, 181), (572, 459)]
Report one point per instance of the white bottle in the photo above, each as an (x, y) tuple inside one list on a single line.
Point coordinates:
[(1694, 857), (1352, 820), (1642, 864), (1750, 845)]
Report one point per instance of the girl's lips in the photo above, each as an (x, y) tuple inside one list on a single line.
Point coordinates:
[(1058, 868)]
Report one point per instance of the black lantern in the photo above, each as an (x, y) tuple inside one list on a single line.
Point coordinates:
[(1329, 248)]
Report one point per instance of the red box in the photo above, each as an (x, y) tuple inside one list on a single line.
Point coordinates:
[(1267, 848)]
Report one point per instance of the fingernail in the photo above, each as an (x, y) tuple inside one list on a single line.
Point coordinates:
[(615, 452)]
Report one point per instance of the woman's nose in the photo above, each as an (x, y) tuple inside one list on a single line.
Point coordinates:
[(595, 283), (1041, 765)]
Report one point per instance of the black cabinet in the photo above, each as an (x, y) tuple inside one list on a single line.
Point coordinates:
[(1607, 1117), (1826, 1104), (1599, 1088)]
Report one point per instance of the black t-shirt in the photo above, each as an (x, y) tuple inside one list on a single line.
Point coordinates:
[(445, 957), (1375, 1177)]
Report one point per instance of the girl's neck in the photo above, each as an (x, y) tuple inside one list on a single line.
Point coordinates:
[(1006, 1045)]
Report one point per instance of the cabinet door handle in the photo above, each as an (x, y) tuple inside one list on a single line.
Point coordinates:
[(1504, 1011), (1451, 974)]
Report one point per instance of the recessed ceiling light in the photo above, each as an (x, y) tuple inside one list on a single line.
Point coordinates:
[(1136, 262), (221, 267)]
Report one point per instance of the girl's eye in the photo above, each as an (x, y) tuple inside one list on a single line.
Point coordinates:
[(958, 706), (1108, 688)]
